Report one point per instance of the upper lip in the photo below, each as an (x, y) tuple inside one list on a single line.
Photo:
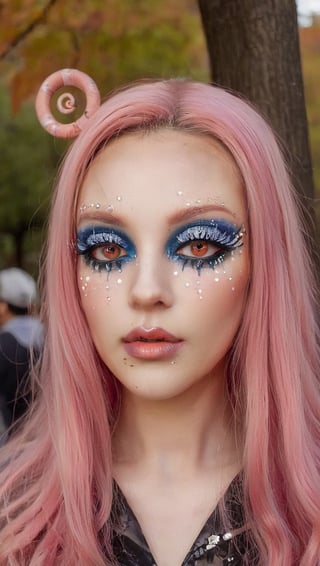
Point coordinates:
[(150, 335)]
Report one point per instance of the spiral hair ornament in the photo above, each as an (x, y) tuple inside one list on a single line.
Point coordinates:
[(66, 102)]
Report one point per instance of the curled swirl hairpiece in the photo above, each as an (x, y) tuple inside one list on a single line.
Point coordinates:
[(66, 102)]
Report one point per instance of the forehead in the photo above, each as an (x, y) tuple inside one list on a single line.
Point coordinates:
[(165, 166)]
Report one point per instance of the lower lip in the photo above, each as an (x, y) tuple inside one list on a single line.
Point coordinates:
[(152, 350)]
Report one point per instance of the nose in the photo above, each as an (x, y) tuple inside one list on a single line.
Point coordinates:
[(151, 284)]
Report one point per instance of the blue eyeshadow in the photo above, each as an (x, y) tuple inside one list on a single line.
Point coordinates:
[(91, 237), (222, 234)]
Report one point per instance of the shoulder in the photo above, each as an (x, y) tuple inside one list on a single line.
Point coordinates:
[(8, 345)]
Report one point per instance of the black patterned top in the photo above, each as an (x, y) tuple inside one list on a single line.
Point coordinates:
[(214, 545)]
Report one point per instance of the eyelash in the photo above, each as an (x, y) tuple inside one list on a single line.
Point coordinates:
[(218, 233), (91, 239)]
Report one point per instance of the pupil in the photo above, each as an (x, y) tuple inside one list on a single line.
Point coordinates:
[(110, 250)]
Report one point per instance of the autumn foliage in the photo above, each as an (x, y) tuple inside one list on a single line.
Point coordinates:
[(115, 42)]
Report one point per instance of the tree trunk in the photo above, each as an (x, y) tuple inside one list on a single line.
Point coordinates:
[(254, 49)]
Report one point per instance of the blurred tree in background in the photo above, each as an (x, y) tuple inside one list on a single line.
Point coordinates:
[(310, 54), (114, 42)]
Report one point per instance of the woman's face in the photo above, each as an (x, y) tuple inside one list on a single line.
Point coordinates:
[(163, 259)]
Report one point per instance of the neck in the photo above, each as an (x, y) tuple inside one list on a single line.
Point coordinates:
[(196, 428)]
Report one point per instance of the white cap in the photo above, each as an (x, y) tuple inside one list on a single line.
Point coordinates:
[(17, 288)]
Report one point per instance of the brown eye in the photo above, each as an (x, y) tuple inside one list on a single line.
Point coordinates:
[(198, 248), (109, 252)]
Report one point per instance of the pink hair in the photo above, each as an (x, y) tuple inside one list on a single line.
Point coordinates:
[(57, 481)]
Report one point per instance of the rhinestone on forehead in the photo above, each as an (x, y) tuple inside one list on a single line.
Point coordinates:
[(91, 205)]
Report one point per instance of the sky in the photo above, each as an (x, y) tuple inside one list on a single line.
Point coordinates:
[(308, 5), (305, 8)]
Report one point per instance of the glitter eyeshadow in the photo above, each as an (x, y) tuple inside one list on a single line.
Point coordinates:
[(223, 236), (91, 239)]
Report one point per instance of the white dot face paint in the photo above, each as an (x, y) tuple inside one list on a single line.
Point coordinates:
[(174, 232)]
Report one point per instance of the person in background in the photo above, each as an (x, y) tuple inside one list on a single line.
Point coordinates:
[(20, 339)]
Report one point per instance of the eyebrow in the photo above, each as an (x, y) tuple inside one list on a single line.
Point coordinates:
[(193, 211), (102, 216), (175, 218)]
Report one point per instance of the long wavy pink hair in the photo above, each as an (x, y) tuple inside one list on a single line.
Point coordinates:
[(56, 478)]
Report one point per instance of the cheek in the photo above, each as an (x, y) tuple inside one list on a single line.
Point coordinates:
[(212, 308), (97, 288), (216, 291), (213, 305), (101, 297)]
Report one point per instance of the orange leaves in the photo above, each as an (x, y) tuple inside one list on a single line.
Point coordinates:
[(113, 41)]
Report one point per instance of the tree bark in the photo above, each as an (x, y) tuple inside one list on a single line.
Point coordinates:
[(254, 49)]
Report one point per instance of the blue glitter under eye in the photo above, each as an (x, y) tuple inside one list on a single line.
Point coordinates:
[(222, 234), (92, 238)]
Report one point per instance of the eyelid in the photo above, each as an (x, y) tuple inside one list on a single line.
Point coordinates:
[(93, 236), (220, 231), (225, 235)]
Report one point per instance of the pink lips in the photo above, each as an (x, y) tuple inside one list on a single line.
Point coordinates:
[(151, 344)]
